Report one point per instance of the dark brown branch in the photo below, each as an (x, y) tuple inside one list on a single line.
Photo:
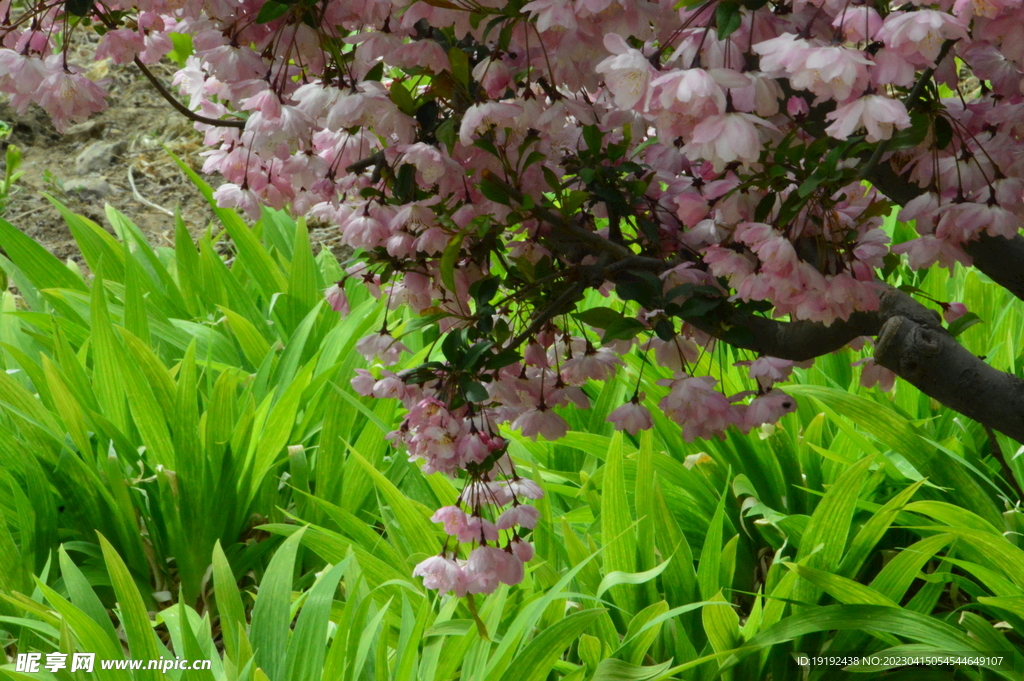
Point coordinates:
[(940, 367), (181, 108), (374, 159), (999, 258), (802, 340)]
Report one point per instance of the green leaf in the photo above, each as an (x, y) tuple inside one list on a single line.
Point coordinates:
[(229, 602), (142, 640), (376, 73), (825, 537), (624, 329), (494, 191), (412, 523), (708, 568), (402, 98), (84, 597), (535, 661), (448, 260), (873, 530), (35, 262), (182, 48), (460, 65), (599, 317), (617, 578), (721, 623), (271, 10), (728, 16), (307, 649), (271, 614), (617, 532), (617, 670), (958, 326), (79, 8)]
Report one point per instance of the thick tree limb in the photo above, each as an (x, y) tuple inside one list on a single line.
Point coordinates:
[(999, 258), (802, 340), (940, 367), (911, 341)]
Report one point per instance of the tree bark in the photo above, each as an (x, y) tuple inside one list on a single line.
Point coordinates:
[(931, 359), (803, 340)]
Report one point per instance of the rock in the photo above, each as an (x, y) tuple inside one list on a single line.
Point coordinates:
[(99, 156), (82, 132), (89, 187)]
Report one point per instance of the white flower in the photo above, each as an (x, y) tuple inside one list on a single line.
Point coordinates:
[(627, 74)]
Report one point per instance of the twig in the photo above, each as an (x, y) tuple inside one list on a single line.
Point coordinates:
[(27, 213), (181, 108), (552, 310), (374, 159), (143, 200)]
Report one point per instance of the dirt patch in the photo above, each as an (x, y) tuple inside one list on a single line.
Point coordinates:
[(89, 165), (97, 162)]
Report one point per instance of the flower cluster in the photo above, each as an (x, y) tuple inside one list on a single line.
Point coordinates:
[(489, 164)]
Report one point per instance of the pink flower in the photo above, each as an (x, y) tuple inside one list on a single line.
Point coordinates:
[(694, 90), (552, 13), (632, 417), (694, 403), (70, 98), (673, 354), (494, 76), (363, 382), (830, 72), (364, 231), (520, 514), (489, 565), (442, 574), (526, 488), (234, 196), (21, 73), (918, 36), (522, 549), (767, 408), (480, 118), (597, 364), (382, 345), (457, 523), (873, 374), (541, 421), (770, 370), (797, 107), (877, 113), (859, 24), (232, 64), (927, 250), (627, 74), (953, 311), (121, 45), (726, 138), (337, 299)]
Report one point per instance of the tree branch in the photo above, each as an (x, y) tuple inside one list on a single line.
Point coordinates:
[(932, 360), (803, 340), (181, 108), (999, 258)]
